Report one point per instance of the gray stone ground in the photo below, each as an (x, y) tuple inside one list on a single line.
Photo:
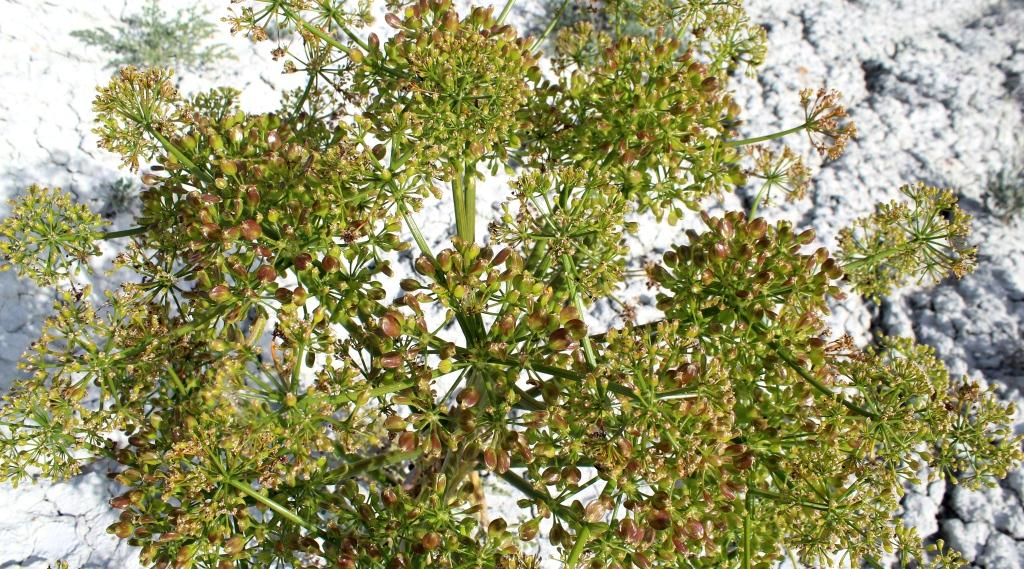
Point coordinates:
[(934, 86)]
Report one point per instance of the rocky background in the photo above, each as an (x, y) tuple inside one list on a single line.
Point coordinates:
[(935, 87)]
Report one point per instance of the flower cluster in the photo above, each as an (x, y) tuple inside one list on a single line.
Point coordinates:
[(924, 239), (652, 116), (47, 237)]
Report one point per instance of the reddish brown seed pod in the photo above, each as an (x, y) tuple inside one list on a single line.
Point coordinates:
[(391, 360), (394, 423), (560, 340), (595, 511), (407, 441), (391, 325), (431, 540), (572, 475), (744, 461), (330, 264), (497, 527), (302, 261), (468, 397), (251, 229), (659, 520), (235, 545), (425, 266), (220, 293), (266, 273), (529, 530), (120, 502)]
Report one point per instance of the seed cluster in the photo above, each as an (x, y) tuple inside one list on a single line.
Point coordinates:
[(459, 84)]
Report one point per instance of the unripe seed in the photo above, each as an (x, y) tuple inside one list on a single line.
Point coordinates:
[(330, 264), (468, 397), (220, 293), (408, 441), (391, 360), (425, 266), (394, 423), (391, 325), (299, 295), (251, 230)]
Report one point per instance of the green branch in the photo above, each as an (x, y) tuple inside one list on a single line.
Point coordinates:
[(123, 233), (276, 507), (767, 137), (551, 26)]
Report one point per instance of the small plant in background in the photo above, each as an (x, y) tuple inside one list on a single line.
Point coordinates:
[(1004, 195), (280, 408), (119, 196), (153, 38)]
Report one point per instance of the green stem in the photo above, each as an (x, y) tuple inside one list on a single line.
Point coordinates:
[(767, 137), (887, 252), (469, 185), (505, 11), (746, 530), (544, 368), (334, 42), (123, 233), (305, 94), (370, 464), (799, 369), (180, 156), (277, 508), (788, 500), (351, 35), (458, 199), (536, 254), (550, 28), (519, 483), (464, 195), (414, 228), (757, 202), (582, 537)]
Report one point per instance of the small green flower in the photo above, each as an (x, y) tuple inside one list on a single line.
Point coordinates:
[(922, 240), (47, 237)]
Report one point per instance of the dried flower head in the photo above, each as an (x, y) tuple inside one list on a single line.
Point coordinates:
[(784, 171), (825, 121)]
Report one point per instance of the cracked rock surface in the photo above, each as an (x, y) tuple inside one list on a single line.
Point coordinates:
[(934, 87)]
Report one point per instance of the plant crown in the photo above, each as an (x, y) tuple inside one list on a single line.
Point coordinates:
[(269, 400)]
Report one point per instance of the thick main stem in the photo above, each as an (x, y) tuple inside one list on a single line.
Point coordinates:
[(464, 196)]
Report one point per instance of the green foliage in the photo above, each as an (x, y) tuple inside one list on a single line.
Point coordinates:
[(120, 196), (153, 38), (280, 409)]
